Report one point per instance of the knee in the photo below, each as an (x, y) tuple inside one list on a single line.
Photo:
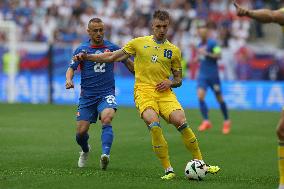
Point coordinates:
[(178, 121), (150, 116), (106, 119), (81, 132), (151, 121), (82, 129)]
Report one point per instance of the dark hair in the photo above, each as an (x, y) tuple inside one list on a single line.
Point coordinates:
[(96, 20), (161, 15)]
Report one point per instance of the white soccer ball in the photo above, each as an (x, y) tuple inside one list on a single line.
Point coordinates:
[(195, 169)]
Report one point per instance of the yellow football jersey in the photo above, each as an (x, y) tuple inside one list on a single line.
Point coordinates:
[(153, 62)]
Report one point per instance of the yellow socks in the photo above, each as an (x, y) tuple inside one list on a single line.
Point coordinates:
[(160, 146), (281, 161), (190, 141)]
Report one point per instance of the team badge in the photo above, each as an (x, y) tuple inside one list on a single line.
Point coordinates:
[(154, 58), (98, 52)]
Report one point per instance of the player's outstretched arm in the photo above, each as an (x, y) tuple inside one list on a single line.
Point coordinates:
[(129, 65), (107, 57), (69, 78), (261, 15)]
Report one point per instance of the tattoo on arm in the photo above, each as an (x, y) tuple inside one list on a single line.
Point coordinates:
[(177, 80)]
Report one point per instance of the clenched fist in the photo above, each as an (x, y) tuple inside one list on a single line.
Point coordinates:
[(240, 10), (69, 84)]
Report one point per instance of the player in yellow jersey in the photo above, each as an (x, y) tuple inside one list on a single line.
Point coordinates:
[(270, 16), (155, 60)]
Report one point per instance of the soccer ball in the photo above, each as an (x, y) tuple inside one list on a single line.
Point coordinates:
[(195, 169)]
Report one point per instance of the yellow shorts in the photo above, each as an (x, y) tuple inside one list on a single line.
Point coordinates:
[(164, 103)]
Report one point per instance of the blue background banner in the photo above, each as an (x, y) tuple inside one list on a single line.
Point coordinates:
[(259, 95)]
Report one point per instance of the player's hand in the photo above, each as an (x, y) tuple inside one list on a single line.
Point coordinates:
[(164, 85), (240, 10), (69, 84), (80, 56)]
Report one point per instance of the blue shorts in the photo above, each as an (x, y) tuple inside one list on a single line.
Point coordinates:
[(213, 83), (90, 108)]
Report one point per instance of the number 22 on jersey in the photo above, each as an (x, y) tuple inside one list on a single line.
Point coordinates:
[(100, 67)]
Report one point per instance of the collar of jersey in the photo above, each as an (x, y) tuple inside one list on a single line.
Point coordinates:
[(97, 46), (159, 42)]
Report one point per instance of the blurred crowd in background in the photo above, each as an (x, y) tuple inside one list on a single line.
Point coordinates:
[(65, 22)]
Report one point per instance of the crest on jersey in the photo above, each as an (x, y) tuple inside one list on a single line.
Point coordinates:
[(154, 58), (98, 52)]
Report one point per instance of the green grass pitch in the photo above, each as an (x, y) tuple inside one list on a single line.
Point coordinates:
[(38, 150)]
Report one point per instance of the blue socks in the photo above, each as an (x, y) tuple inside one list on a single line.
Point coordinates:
[(224, 110), (203, 109), (82, 140), (106, 138)]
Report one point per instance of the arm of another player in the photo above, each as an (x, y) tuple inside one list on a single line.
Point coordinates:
[(107, 57), (261, 15), (129, 65), (69, 78)]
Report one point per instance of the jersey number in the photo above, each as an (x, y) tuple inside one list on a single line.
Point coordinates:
[(100, 67), (168, 53)]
